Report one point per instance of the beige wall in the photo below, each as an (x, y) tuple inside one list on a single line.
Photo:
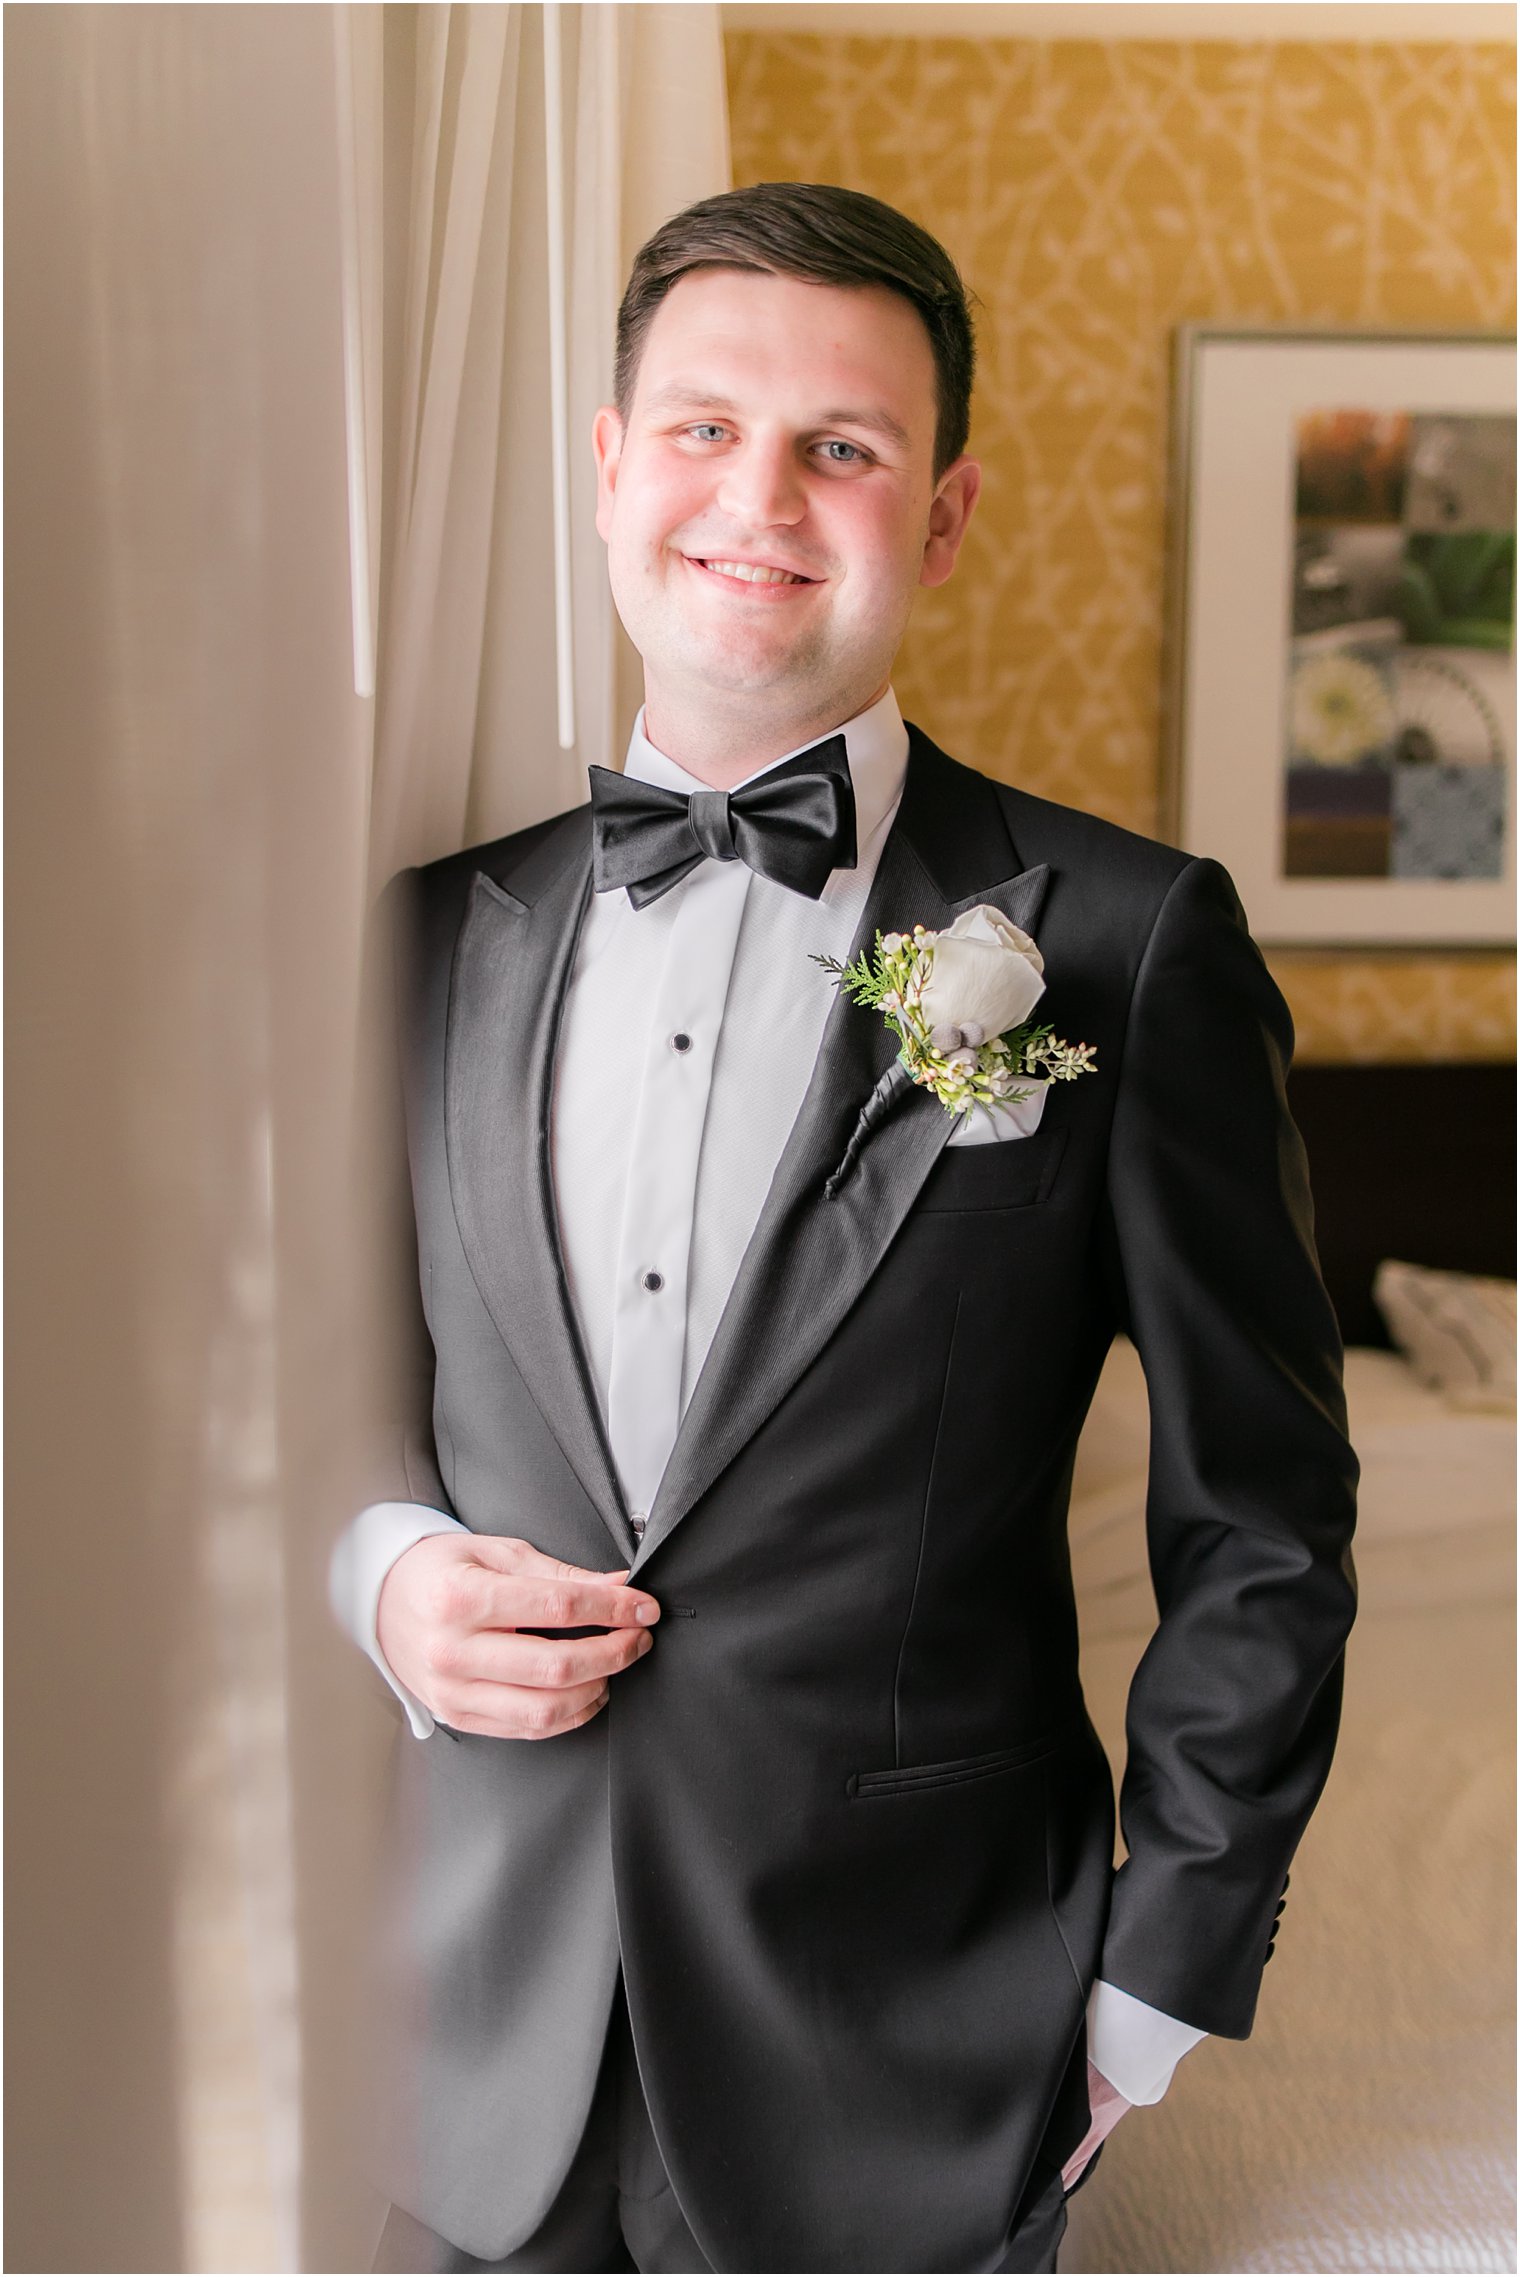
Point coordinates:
[(1096, 194)]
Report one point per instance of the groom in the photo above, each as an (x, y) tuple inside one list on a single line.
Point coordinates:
[(753, 1904)]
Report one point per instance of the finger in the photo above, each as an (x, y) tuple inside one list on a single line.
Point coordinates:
[(509, 1711), (1105, 2103), (1104, 2122), (509, 1554), (1078, 2159), (547, 1664), (516, 1601)]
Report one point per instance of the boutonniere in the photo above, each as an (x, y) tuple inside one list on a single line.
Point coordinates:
[(959, 1004)]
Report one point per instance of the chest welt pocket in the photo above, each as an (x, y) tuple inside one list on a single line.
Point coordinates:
[(1011, 1175)]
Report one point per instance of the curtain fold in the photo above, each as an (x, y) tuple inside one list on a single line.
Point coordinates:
[(186, 790), (434, 558), (208, 209), (466, 737)]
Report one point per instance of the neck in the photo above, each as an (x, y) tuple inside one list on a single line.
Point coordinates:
[(722, 749)]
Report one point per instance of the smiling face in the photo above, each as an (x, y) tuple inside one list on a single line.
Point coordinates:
[(770, 509)]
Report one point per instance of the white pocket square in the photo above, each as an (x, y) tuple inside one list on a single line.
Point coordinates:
[(992, 1126)]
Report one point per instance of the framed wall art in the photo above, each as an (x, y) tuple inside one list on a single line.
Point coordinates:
[(1341, 609)]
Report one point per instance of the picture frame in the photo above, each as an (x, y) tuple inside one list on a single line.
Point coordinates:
[(1339, 714)]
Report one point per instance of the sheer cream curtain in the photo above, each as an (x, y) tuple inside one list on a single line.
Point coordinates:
[(277, 425), (466, 741)]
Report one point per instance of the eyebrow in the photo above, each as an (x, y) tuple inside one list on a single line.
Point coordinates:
[(678, 398)]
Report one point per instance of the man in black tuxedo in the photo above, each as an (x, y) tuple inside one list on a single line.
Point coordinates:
[(754, 1897)]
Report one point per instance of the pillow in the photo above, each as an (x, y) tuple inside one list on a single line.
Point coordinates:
[(1457, 1330)]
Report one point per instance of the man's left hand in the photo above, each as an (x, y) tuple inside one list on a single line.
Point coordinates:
[(1108, 2108)]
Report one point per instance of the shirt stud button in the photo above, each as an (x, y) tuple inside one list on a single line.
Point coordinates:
[(653, 1281), (680, 1041), (638, 1521)]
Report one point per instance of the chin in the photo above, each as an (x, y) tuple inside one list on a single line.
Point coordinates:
[(772, 676), (773, 653)]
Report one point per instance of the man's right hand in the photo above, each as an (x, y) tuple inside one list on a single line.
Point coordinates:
[(448, 1623)]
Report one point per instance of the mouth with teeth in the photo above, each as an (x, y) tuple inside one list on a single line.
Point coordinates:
[(755, 577)]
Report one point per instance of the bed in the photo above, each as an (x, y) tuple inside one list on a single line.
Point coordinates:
[(1368, 2123)]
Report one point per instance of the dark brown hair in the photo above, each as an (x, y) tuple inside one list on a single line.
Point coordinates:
[(829, 236)]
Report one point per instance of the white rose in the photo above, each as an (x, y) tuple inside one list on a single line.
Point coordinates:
[(986, 971)]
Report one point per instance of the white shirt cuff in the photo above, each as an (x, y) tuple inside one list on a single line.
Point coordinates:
[(1135, 2046), (361, 1559)]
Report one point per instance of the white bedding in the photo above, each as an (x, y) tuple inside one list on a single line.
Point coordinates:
[(1368, 2123)]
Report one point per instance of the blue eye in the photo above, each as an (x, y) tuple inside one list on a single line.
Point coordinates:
[(857, 455), (706, 427)]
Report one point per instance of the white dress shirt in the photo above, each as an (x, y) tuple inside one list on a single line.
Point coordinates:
[(703, 1011)]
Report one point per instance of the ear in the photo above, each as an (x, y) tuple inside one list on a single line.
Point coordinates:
[(951, 509), (607, 444)]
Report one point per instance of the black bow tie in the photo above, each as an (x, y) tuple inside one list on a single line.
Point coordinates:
[(795, 823)]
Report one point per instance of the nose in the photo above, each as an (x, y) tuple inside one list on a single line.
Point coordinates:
[(762, 485)]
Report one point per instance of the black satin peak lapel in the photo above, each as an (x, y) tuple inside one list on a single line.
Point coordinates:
[(809, 1257), (512, 965)]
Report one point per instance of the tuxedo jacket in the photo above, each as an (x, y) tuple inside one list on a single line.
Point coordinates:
[(848, 1829)]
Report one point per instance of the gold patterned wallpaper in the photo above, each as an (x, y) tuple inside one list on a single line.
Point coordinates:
[(1095, 195)]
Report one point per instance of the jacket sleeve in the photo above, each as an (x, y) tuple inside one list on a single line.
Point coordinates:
[(1233, 1711), (400, 1458)]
